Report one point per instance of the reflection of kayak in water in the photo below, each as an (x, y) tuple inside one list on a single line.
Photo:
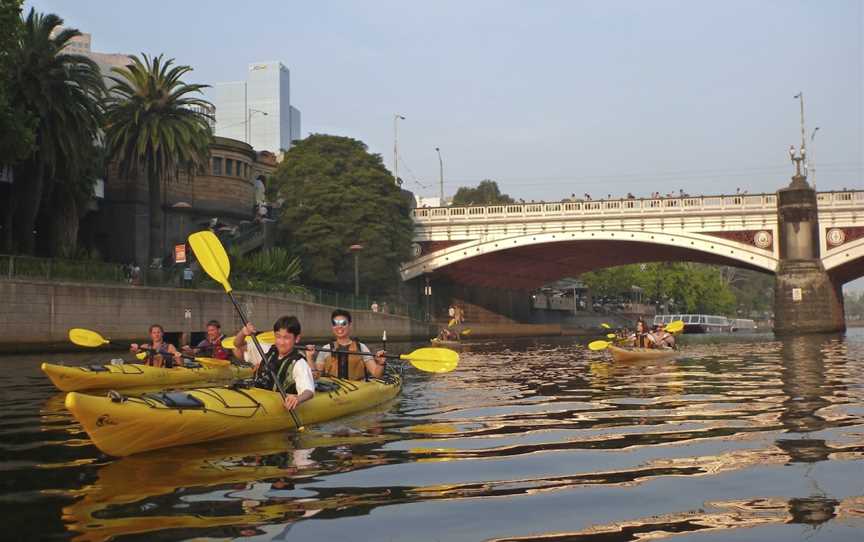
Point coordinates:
[(112, 504), (136, 375), (122, 426), (452, 345), (636, 354)]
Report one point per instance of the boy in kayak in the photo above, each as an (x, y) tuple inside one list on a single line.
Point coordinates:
[(159, 353), (336, 359), (288, 365), (212, 345)]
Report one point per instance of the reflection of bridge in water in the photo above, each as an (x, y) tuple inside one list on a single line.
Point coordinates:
[(524, 246)]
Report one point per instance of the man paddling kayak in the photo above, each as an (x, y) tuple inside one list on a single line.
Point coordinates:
[(211, 346), (336, 359), (288, 365)]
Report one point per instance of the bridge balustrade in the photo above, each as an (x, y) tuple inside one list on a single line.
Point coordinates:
[(624, 206)]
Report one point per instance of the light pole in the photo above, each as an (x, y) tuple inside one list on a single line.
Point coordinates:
[(355, 249), (249, 112), (440, 175), (427, 292), (396, 118), (811, 163)]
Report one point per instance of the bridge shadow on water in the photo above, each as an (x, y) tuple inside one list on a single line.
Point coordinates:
[(748, 439)]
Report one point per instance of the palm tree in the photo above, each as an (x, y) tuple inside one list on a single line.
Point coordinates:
[(156, 128), (64, 91)]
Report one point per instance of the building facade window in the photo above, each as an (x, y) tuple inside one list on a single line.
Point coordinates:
[(217, 165), (229, 167)]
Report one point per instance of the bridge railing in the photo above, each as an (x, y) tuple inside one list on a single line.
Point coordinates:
[(841, 199), (594, 208)]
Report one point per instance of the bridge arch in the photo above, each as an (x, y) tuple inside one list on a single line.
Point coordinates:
[(530, 260), (846, 263)]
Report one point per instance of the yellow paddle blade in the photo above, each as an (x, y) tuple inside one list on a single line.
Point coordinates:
[(212, 256), (598, 345), (610, 335), (466, 331), (141, 355), (452, 323), (85, 337), (675, 327), (605, 326), (433, 360), (266, 337)]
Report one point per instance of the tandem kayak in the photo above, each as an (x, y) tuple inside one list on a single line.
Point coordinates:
[(135, 375), (122, 426), (639, 354)]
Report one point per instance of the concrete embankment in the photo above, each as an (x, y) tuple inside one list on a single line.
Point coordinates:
[(37, 315)]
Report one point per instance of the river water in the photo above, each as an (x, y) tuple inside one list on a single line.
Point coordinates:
[(745, 438)]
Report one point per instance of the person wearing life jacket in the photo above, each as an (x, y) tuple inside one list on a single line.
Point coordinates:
[(641, 338), (280, 359), (211, 346), (337, 358), (662, 338), (159, 353)]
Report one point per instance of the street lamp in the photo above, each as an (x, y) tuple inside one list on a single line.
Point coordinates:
[(397, 117), (440, 175), (355, 249), (249, 112)]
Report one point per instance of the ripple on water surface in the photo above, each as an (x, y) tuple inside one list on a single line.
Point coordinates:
[(754, 439)]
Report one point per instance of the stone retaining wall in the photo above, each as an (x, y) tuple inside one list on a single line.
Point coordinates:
[(35, 313)]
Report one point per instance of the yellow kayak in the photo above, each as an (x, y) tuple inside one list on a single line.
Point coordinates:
[(121, 426), (134, 375), (639, 354)]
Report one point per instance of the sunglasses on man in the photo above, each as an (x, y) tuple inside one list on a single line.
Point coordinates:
[(340, 322)]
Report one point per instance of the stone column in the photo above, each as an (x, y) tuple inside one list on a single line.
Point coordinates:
[(805, 298)]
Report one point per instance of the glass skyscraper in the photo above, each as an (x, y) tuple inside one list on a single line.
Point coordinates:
[(258, 110)]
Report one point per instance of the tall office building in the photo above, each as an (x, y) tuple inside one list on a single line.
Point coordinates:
[(259, 109)]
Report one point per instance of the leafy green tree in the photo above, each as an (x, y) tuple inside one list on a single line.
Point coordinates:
[(336, 194), (486, 193), (65, 92), (156, 126), (19, 124)]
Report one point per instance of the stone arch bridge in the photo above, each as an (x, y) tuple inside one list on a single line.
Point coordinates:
[(526, 245)]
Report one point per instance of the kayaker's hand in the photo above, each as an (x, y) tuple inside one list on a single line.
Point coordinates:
[(379, 357), (291, 402), (187, 349), (133, 348), (249, 329)]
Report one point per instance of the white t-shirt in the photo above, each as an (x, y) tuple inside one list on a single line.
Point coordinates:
[(322, 356), (303, 379)]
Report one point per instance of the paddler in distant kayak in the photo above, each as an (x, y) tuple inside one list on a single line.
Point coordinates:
[(159, 353), (211, 346), (287, 364), (641, 338), (662, 338), (336, 359)]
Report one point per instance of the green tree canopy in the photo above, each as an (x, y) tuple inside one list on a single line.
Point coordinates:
[(336, 194), (16, 137), (683, 287), (486, 193)]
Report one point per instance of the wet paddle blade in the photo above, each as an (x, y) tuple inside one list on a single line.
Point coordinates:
[(266, 337), (610, 335), (86, 337), (466, 331), (433, 360), (211, 256), (605, 326), (598, 345), (675, 327)]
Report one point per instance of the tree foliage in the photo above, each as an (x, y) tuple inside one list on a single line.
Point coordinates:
[(155, 124), (486, 193), (336, 194), (680, 287), (64, 91), (19, 124), (853, 303), (273, 270)]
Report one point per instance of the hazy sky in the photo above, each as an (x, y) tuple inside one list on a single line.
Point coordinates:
[(546, 97)]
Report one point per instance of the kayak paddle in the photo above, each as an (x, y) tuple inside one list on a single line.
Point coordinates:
[(214, 260), (265, 337), (428, 359)]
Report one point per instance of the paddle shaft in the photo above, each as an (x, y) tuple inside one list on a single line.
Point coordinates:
[(358, 353), (264, 361)]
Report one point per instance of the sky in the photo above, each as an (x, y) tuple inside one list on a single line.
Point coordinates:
[(548, 98)]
